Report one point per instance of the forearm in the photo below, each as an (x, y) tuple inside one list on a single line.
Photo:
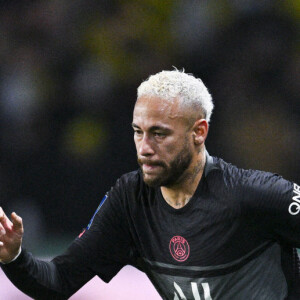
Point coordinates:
[(36, 278)]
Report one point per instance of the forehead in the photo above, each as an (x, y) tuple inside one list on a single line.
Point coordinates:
[(151, 111)]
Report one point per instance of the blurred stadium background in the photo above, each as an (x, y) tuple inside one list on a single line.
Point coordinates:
[(68, 77)]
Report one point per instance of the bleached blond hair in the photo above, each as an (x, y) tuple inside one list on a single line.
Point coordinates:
[(170, 85)]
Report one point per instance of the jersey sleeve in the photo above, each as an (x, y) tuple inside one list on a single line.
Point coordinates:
[(274, 204), (103, 249)]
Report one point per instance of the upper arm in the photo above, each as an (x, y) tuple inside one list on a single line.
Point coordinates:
[(274, 204)]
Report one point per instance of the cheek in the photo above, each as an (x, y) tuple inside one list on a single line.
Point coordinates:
[(137, 146), (170, 149), (173, 149), (175, 144)]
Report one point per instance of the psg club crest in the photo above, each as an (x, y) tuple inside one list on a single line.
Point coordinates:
[(179, 248)]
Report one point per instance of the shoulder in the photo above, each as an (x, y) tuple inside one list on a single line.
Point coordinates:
[(113, 204), (254, 188), (130, 181), (247, 178), (131, 177), (130, 186)]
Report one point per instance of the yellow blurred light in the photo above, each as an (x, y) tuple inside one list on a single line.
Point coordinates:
[(84, 137)]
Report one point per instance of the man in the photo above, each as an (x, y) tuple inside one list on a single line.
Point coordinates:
[(200, 228)]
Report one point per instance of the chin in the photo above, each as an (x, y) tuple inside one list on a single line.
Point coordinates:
[(157, 181), (152, 181)]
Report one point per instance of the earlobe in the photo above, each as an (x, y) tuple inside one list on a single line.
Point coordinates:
[(199, 140)]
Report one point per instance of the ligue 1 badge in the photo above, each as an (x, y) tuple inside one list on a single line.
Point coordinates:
[(179, 248)]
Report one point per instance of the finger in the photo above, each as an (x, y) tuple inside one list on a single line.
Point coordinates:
[(7, 224), (17, 222), (2, 230), (2, 214)]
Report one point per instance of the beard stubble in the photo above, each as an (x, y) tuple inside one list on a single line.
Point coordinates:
[(172, 174)]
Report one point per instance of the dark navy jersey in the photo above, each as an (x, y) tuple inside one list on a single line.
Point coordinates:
[(235, 239)]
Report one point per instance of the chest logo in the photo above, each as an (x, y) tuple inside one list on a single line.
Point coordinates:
[(179, 248)]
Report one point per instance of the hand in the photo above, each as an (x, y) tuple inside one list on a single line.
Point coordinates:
[(11, 233)]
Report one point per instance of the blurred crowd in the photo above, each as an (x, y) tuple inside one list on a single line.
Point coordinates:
[(68, 77)]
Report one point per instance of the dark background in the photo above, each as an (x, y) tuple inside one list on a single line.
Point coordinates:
[(69, 71)]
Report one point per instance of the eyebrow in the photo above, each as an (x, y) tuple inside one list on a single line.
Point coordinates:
[(134, 125), (153, 128)]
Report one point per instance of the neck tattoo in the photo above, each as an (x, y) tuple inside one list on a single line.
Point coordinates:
[(194, 173)]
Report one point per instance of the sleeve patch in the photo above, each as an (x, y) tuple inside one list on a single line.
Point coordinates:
[(92, 219)]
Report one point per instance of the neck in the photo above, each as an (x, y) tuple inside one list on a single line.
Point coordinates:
[(179, 194)]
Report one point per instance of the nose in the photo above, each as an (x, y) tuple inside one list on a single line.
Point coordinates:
[(144, 147)]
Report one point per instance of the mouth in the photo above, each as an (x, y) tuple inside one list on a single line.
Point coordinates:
[(149, 168)]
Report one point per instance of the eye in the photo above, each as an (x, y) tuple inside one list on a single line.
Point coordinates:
[(138, 132), (159, 134)]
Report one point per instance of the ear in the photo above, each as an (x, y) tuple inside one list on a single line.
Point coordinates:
[(200, 131)]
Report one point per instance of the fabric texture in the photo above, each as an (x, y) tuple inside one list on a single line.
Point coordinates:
[(235, 239)]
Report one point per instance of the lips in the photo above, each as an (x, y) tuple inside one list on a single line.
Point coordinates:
[(149, 168)]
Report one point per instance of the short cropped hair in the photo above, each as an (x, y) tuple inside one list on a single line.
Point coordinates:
[(169, 85)]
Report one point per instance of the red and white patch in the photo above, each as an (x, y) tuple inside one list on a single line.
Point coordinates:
[(179, 248)]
